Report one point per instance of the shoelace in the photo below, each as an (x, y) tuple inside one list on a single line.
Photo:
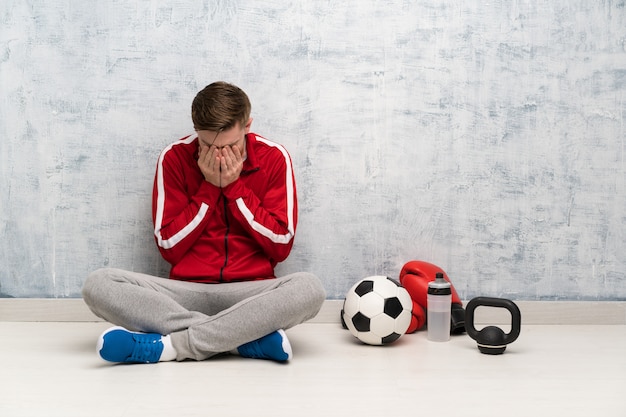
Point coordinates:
[(147, 348)]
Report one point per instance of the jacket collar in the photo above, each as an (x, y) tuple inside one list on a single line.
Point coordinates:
[(251, 164)]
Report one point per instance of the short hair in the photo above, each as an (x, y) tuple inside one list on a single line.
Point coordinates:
[(220, 106)]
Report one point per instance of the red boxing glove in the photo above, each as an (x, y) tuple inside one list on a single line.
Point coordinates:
[(418, 318), (414, 277)]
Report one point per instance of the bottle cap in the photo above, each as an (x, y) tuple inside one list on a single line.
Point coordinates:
[(439, 286)]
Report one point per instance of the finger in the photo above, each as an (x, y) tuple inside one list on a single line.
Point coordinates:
[(227, 154), (203, 152), (235, 155), (237, 152), (213, 158)]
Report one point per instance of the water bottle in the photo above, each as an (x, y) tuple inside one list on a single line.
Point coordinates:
[(439, 304)]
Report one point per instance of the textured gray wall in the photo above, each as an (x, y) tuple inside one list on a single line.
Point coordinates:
[(485, 137)]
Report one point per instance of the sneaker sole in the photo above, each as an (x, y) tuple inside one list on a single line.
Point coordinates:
[(286, 344)]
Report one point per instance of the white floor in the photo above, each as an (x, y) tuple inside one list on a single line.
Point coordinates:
[(51, 369)]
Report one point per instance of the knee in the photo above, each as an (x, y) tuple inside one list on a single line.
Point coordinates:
[(315, 290), (93, 285)]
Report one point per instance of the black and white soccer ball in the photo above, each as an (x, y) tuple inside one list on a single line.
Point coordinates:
[(377, 310)]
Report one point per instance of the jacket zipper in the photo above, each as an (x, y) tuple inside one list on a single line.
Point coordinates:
[(225, 239)]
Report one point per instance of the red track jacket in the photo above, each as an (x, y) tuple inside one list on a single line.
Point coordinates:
[(237, 233)]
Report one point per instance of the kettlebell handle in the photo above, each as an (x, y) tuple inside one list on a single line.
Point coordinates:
[(516, 316)]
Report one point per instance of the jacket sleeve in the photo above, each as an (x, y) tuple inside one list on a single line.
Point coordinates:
[(178, 218), (271, 221)]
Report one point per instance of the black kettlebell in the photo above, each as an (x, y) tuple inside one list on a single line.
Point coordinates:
[(492, 340)]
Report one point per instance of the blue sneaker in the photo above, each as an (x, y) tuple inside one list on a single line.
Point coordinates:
[(120, 345), (274, 346)]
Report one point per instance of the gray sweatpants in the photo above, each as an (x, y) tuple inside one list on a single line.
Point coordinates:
[(203, 320)]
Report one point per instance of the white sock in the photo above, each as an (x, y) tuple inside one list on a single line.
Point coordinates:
[(169, 353)]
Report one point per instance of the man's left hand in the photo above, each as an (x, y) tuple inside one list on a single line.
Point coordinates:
[(231, 163)]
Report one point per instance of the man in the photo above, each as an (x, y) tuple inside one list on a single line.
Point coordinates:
[(225, 213)]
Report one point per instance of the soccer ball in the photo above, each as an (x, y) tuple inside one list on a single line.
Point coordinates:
[(377, 310)]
